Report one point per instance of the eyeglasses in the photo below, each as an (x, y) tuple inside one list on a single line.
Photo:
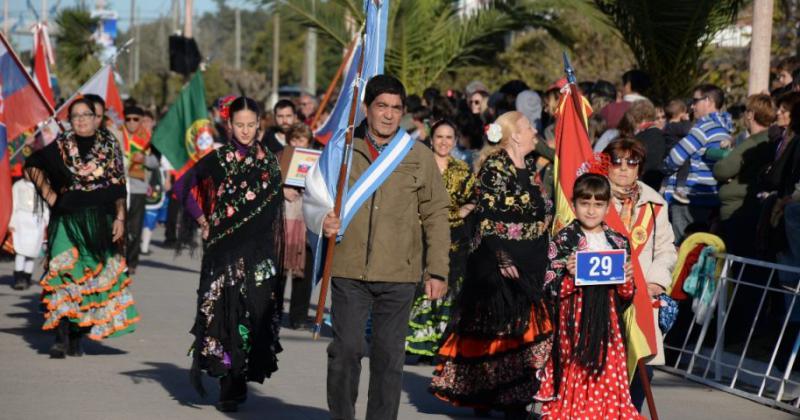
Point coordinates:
[(476, 102), (631, 162), (696, 100), (83, 116), (134, 119)]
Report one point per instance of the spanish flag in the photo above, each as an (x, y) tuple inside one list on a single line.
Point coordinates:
[(573, 158)]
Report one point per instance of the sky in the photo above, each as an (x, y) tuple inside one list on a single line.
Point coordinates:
[(148, 10)]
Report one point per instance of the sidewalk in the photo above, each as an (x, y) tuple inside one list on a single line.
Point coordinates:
[(145, 375)]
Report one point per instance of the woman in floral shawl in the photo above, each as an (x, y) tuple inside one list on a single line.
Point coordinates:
[(80, 176), (234, 194), (500, 334)]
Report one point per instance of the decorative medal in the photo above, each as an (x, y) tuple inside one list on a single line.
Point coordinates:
[(638, 236)]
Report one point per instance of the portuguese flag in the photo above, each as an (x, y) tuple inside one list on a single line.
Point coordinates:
[(573, 157), (184, 134)]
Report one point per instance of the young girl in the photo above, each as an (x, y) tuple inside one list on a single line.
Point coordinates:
[(27, 226), (587, 376)]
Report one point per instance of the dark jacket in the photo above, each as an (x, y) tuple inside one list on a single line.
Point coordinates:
[(655, 144), (739, 171)]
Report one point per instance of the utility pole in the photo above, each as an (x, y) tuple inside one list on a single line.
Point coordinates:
[(310, 58), (187, 19), (760, 47), (276, 45), (136, 47), (131, 58), (238, 59), (44, 11)]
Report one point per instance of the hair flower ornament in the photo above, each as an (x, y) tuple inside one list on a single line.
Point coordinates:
[(494, 133)]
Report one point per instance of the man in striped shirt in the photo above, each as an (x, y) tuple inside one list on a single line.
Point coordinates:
[(711, 129)]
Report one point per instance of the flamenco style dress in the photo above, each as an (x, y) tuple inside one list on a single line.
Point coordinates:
[(580, 392), (429, 318), (500, 337), (240, 298), (86, 281)]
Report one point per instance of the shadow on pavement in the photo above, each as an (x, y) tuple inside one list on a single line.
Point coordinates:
[(40, 340), (165, 266), (175, 380), (416, 386)]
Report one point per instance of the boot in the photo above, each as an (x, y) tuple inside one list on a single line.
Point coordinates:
[(59, 349), (233, 391), (19, 280), (28, 282), (74, 348)]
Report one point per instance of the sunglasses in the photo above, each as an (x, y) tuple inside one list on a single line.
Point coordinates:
[(696, 100), (134, 119), (617, 161)]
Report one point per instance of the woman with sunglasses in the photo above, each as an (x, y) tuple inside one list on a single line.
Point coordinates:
[(429, 318), (81, 177), (644, 214)]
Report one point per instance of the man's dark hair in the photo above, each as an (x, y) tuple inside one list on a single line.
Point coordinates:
[(96, 99), (381, 84), (714, 93), (604, 88), (284, 103), (133, 110), (639, 80)]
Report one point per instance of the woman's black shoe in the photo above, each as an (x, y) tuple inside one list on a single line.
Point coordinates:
[(59, 349), (227, 406), (74, 348)]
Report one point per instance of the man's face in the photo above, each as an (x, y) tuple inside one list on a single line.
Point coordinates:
[(99, 112), (133, 122), (383, 115), (307, 106), (285, 118), (702, 105)]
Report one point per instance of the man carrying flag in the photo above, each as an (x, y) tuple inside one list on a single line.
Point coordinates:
[(396, 200), (573, 157)]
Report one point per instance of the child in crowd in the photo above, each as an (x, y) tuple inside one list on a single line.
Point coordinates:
[(678, 126), (587, 377), (27, 227)]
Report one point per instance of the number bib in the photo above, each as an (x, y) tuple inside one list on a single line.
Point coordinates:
[(600, 267)]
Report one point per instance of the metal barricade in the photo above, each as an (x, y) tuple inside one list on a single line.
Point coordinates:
[(760, 364)]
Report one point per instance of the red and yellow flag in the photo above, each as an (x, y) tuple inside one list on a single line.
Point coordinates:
[(573, 157)]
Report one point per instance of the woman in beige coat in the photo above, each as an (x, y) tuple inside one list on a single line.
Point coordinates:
[(631, 197)]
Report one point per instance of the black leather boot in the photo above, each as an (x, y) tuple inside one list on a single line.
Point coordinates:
[(27, 278), (74, 348), (59, 349), (19, 280)]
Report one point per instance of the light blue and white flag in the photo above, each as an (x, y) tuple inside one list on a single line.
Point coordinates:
[(321, 181)]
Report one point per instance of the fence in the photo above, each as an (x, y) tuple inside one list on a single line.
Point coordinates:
[(748, 339)]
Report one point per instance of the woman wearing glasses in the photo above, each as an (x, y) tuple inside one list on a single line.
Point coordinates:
[(80, 176), (644, 213)]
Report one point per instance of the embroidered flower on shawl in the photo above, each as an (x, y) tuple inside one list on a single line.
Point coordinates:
[(229, 157), (525, 198), (230, 211), (250, 196), (509, 201), (515, 230)]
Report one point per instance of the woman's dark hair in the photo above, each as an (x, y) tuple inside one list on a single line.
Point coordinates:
[(244, 103), (96, 99), (630, 147), (381, 84), (89, 104), (447, 122), (794, 118), (591, 186)]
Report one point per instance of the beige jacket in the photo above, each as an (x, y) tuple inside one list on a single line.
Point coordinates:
[(659, 255)]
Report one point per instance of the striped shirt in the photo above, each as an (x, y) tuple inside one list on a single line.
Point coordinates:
[(706, 134)]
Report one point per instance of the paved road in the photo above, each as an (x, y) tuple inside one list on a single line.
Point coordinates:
[(144, 375)]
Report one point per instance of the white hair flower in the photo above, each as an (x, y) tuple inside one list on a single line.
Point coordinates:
[(494, 133)]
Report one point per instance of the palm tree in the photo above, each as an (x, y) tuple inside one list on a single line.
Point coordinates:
[(427, 39), (668, 37), (76, 50)]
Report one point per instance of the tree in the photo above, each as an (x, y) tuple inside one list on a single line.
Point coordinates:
[(669, 37), (76, 50), (429, 39)]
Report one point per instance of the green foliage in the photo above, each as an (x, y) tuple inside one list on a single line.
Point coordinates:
[(76, 50), (668, 37)]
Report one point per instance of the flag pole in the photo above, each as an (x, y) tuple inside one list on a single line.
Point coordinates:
[(578, 103), (334, 82), (331, 241), (27, 76)]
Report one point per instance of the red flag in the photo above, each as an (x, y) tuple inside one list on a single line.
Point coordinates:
[(573, 158), (43, 57), (21, 108), (102, 84)]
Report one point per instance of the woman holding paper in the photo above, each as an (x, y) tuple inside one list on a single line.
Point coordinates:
[(501, 330)]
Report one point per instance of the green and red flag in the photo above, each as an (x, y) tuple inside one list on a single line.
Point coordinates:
[(574, 157), (184, 135)]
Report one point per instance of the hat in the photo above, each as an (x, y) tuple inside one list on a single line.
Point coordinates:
[(558, 84), (475, 86), (133, 110), (529, 103)]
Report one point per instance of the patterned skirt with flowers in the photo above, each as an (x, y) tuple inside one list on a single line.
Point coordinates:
[(88, 292)]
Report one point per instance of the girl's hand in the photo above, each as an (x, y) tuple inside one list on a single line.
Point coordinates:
[(117, 230), (628, 271), (510, 272), (571, 265), (203, 227)]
